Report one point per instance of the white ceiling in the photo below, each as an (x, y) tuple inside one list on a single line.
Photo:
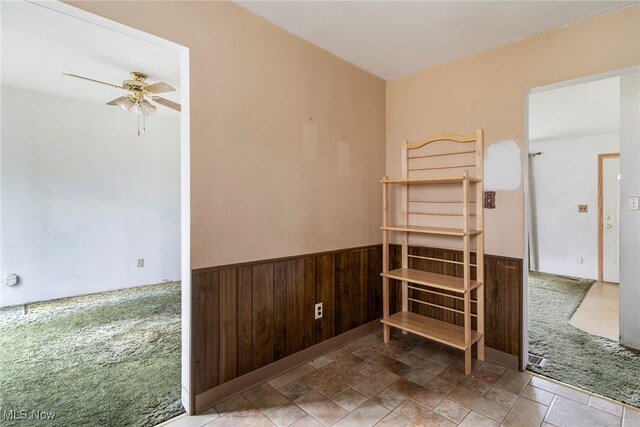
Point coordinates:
[(38, 45), (395, 38), (573, 111)]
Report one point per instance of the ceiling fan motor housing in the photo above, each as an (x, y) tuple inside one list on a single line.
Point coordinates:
[(138, 82)]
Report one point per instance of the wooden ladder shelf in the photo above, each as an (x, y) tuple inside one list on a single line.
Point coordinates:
[(437, 166)]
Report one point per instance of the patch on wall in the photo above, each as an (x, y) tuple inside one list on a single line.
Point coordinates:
[(502, 166)]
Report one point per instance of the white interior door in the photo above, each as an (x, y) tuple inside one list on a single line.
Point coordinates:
[(610, 219)]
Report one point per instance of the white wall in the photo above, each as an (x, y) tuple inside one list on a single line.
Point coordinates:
[(565, 175), (629, 220), (83, 197)]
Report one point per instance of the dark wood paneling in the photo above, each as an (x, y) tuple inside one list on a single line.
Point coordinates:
[(395, 289), (205, 331), (374, 263), (361, 279), (246, 316), (325, 293), (296, 315), (309, 300), (228, 324), (348, 291), (262, 315), (279, 310), (503, 277), (245, 277)]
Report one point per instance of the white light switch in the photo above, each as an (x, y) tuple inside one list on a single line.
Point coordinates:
[(634, 202)]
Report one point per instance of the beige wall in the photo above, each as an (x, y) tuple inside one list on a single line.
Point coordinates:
[(487, 90), (287, 140)]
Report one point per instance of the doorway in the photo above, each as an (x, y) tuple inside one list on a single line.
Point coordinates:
[(573, 198), (180, 242)]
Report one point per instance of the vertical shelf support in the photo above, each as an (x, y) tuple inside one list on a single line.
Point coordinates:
[(405, 214), (480, 241), (385, 258), (466, 273)]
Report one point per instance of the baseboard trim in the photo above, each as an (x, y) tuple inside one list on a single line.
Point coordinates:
[(207, 399), (506, 359)]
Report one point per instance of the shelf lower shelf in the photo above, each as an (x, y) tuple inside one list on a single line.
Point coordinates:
[(433, 280), (436, 330)]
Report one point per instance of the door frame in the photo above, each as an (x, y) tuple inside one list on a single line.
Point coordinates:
[(601, 157), (524, 307), (187, 395)]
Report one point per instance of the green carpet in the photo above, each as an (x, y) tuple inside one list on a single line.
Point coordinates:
[(575, 357), (110, 359)]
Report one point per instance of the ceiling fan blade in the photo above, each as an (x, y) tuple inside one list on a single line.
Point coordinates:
[(159, 87), (92, 80), (115, 101), (167, 103)]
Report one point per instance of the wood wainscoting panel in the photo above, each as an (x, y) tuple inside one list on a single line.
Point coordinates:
[(374, 283), (228, 324), (206, 328), (248, 316), (325, 293), (503, 304), (279, 309), (296, 313), (262, 316), (245, 308), (309, 300)]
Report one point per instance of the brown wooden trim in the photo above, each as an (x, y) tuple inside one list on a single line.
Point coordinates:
[(206, 399), (287, 258), (600, 214)]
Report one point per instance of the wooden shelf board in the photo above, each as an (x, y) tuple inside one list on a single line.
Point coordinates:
[(434, 280), (430, 230), (434, 180), (436, 330)]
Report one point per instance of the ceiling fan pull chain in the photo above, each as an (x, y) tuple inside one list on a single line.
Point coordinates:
[(144, 123), (138, 124)]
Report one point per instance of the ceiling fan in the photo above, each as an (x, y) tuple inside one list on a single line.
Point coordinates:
[(141, 94)]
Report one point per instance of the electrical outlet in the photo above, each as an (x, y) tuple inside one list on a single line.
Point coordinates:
[(140, 263), (318, 310), (634, 203), (583, 208), (10, 279)]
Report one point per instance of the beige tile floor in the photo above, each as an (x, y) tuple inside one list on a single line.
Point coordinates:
[(599, 314), (409, 382)]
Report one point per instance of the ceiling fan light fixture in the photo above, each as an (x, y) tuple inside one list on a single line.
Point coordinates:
[(137, 108), (147, 107), (125, 104)]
